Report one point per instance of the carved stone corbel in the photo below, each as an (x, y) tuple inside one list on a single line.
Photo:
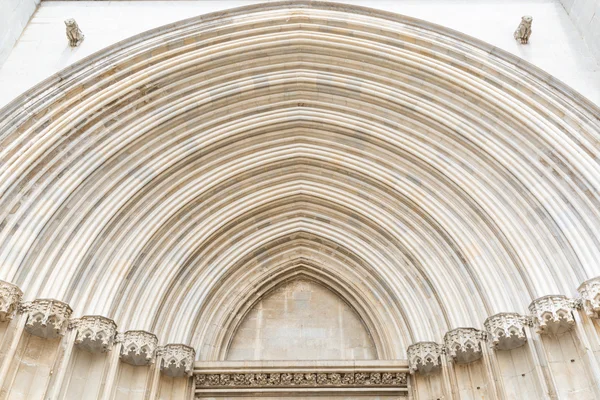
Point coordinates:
[(553, 314), (506, 330), (95, 333), (47, 318), (10, 297), (463, 345), (138, 347), (424, 357), (177, 360), (590, 295)]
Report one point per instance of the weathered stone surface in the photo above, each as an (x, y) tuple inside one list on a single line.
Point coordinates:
[(10, 297), (553, 314), (506, 330), (47, 318), (95, 333), (463, 345), (177, 360), (138, 347)]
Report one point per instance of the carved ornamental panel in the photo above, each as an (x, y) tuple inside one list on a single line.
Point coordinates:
[(177, 360), (463, 345), (506, 330), (95, 333), (590, 295), (553, 314), (424, 357), (46, 318), (138, 347), (10, 296)]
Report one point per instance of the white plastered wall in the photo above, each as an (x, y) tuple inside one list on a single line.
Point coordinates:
[(555, 46)]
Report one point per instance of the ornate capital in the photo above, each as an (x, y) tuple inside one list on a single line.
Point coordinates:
[(10, 297), (424, 357), (138, 347), (95, 333), (463, 345), (553, 314), (506, 330), (590, 295), (177, 360), (46, 318)]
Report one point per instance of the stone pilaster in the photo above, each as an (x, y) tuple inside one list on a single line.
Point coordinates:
[(10, 297), (553, 314), (177, 360), (590, 296), (506, 331), (95, 333), (138, 347), (46, 318), (424, 357), (463, 345)]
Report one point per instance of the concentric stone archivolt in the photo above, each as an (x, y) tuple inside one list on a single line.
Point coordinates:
[(409, 162)]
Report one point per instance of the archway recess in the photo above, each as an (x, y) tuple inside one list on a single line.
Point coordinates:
[(435, 179)]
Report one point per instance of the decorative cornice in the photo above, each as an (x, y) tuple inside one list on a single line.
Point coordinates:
[(95, 333), (590, 296), (506, 330), (553, 314), (10, 296), (424, 357), (463, 345), (46, 318), (176, 359), (304, 379), (138, 347)]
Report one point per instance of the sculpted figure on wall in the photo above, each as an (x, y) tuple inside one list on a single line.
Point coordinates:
[(524, 30), (74, 34)]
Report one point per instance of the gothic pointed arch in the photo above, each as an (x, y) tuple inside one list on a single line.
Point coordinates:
[(432, 180)]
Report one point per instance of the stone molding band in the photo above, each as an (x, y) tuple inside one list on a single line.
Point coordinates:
[(269, 377)]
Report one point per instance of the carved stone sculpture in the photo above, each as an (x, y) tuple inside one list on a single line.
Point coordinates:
[(46, 318), (138, 347), (74, 34), (10, 296), (95, 333), (524, 30), (463, 345), (506, 330), (553, 314), (424, 357), (177, 360), (590, 295)]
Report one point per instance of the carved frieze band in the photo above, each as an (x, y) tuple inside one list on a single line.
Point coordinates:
[(10, 297), (287, 379), (46, 318)]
